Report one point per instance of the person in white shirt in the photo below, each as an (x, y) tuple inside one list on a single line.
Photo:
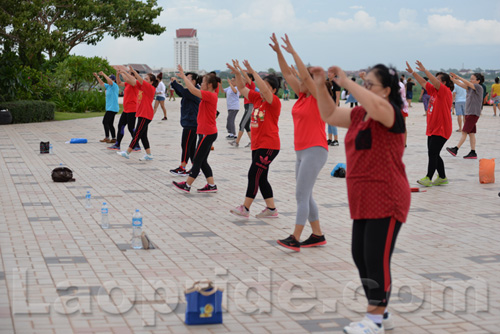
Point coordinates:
[(233, 106), (160, 96)]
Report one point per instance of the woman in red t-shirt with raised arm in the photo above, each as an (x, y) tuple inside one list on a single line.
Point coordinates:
[(265, 138), (207, 130), (144, 112), (439, 123), (377, 186), (311, 147)]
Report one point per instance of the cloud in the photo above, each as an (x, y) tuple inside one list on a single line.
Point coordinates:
[(361, 21), (407, 21), (449, 30), (356, 7), (445, 10)]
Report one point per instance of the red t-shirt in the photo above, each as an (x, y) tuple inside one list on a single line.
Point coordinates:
[(264, 122), (309, 128), (439, 111), (130, 98), (207, 113), (377, 186), (251, 87), (145, 108)]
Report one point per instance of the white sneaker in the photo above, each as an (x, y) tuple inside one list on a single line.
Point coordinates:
[(365, 326), (147, 157), (123, 154), (388, 323)]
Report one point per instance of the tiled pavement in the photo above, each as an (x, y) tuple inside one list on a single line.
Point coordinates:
[(60, 272)]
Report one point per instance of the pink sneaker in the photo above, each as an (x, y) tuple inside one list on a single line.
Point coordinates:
[(266, 213), (240, 211)]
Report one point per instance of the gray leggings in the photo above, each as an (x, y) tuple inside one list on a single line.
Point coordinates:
[(307, 167), (245, 120), (231, 116)]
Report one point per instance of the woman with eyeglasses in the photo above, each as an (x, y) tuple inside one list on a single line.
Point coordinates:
[(377, 186)]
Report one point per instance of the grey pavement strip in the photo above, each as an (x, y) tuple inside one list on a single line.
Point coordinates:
[(2, 275), (21, 174), (335, 205), (446, 276), (81, 291), (24, 183), (37, 204), (65, 260), (324, 325), (92, 197), (202, 234), (404, 297), (43, 219), (495, 216), (143, 191), (485, 259), (250, 223)]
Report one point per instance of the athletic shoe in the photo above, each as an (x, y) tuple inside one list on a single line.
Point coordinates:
[(182, 186), (452, 150), (335, 143), (179, 171), (365, 326), (439, 181), (123, 154), (230, 136), (290, 243), (234, 143), (388, 322), (208, 189), (471, 155), (112, 141), (313, 241), (240, 211), (425, 181), (136, 149), (249, 144), (105, 140), (164, 119), (328, 142), (147, 157), (267, 213), (114, 148)]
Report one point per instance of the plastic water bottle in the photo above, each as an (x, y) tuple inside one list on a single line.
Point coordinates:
[(136, 230), (51, 149), (104, 216), (87, 200)]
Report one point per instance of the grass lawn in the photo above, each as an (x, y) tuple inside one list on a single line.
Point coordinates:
[(64, 116)]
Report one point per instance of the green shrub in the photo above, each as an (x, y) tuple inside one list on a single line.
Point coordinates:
[(29, 111), (80, 101)]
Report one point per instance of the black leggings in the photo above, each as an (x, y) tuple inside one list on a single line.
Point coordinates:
[(257, 174), (107, 121), (126, 119), (434, 146), (141, 132), (245, 120), (201, 156), (188, 144), (373, 242)]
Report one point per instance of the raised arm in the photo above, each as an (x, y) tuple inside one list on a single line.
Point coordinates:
[(240, 83), (136, 75), (235, 91), (464, 83), (118, 79), (99, 80), (433, 80), (189, 85), (292, 80), (330, 112), (267, 94), (377, 107), (417, 76), (108, 80), (128, 78)]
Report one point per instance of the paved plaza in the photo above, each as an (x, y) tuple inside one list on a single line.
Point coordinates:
[(61, 273)]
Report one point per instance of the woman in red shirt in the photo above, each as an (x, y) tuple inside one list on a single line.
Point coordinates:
[(377, 186), (439, 125), (207, 130), (265, 143), (311, 147), (144, 112)]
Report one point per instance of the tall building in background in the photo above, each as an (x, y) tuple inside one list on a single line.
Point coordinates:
[(186, 49)]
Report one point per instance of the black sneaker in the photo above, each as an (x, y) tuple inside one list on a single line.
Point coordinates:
[(314, 240), (179, 171), (208, 189), (328, 142), (471, 155), (290, 243), (335, 143), (452, 150), (182, 186)]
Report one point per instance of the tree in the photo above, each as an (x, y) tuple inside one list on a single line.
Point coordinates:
[(77, 71), (54, 27), (271, 70)]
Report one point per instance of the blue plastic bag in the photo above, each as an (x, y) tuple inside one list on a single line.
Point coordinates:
[(204, 305), (339, 165), (78, 141)]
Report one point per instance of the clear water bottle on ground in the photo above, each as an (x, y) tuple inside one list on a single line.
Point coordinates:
[(104, 216), (87, 200), (51, 149), (136, 230)]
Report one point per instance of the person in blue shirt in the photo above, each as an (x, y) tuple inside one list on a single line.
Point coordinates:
[(459, 96), (112, 106)]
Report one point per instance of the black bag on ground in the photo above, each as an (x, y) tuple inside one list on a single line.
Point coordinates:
[(62, 174), (44, 147), (339, 173)]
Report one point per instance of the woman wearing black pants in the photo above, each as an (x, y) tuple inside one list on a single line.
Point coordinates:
[(112, 107)]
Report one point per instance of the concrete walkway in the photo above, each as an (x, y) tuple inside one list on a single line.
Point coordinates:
[(60, 272)]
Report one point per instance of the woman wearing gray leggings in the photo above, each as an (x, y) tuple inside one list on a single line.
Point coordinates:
[(311, 147)]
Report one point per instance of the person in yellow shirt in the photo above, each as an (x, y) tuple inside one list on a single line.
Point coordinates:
[(495, 95)]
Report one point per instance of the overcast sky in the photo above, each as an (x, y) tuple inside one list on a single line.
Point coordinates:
[(353, 34)]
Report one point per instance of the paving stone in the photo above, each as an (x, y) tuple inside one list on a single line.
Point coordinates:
[(65, 260)]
